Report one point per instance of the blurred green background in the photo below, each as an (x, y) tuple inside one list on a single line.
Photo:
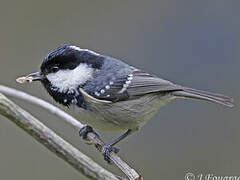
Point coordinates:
[(193, 43)]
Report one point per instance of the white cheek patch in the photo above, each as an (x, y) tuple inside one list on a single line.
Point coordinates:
[(68, 79)]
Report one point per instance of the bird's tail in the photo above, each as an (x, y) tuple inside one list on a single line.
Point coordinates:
[(203, 95)]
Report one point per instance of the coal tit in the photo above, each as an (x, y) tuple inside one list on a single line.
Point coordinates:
[(107, 93)]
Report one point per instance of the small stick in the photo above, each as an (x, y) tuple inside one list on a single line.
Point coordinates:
[(123, 166), (52, 141)]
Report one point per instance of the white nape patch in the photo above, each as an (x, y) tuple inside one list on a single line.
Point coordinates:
[(79, 49), (68, 79)]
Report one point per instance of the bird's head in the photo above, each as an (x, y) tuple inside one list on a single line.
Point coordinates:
[(66, 69)]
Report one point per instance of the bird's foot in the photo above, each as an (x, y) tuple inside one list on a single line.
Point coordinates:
[(107, 149), (83, 132)]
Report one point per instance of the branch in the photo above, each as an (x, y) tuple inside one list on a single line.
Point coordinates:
[(10, 110), (52, 141)]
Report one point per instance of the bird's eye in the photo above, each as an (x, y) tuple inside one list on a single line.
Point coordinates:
[(55, 69)]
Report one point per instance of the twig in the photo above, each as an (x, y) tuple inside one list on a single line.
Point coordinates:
[(131, 173), (52, 141)]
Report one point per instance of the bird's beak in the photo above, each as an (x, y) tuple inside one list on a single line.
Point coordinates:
[(31, 77), (36, 76)]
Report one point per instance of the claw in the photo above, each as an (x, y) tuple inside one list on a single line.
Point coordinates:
[(107, 149), (85, 130)]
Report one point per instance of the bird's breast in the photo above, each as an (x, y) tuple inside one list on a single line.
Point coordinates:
[(122, 115)]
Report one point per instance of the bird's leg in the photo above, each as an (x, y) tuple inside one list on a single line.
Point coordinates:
[(85, 130), (110, 146)]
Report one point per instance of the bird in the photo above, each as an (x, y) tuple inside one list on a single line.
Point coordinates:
[(108, 94)]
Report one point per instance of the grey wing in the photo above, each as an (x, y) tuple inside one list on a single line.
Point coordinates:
[(132, 85), (143, 83), (112, 90)]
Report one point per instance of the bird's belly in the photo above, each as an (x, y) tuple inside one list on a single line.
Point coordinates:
[(123, 115)]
